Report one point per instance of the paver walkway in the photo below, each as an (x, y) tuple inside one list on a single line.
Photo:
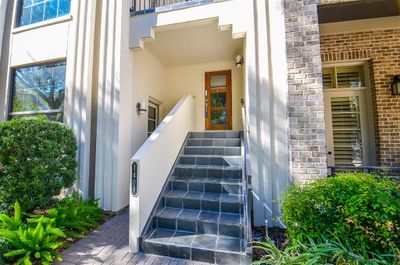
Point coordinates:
[(109, 244)]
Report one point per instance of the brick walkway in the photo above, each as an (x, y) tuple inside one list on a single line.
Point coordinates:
[(109, 245)]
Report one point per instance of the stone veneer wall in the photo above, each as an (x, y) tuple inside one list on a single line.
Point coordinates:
[(382, 49), (306, 105)]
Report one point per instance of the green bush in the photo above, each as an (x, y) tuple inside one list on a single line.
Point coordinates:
[(37, 160), (359, 209)]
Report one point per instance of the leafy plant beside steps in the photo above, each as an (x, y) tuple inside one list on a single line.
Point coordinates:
[(324, 252), (38, 238)]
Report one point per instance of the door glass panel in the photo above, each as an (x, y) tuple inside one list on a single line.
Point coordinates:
[(152, 120), (218, 82), (218, 100), (350, 76), (218, 117), (152, 113), (346, 127), (151, 126)]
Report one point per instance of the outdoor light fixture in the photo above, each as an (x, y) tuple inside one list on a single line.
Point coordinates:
[(396, 85), (141, 107), (239, 61)]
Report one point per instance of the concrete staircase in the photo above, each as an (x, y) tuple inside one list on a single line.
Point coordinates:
[(200, 213)]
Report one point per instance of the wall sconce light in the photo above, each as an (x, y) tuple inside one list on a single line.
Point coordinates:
[(141, 107), (396, 85), (239, 61)]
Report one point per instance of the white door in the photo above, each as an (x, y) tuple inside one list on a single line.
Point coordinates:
[(347, 117)]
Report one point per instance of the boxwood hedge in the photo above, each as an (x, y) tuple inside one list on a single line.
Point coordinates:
[(37, 160)]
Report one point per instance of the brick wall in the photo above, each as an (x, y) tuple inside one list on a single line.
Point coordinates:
[(382, 49), (306, 106)]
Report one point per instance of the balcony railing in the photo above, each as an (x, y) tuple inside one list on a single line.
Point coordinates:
[(140, 7)]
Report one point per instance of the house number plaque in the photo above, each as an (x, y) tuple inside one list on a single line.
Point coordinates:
[(134, 179)]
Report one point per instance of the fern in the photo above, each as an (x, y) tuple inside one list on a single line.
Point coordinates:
[(73, 215), (30, 244)]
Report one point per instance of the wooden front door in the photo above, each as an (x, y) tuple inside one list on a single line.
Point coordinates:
[(218, 100)]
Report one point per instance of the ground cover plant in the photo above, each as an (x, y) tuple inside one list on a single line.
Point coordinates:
[(37, 239)]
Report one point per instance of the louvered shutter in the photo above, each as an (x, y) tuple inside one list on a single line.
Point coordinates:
[(346, 131)]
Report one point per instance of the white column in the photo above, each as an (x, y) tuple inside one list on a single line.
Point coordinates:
[(3, 8), (267, 89), (79, 82)]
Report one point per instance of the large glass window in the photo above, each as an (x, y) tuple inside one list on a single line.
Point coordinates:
[(38, 91), (32, 11)]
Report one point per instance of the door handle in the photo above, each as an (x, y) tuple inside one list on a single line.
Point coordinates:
[(329, 153)]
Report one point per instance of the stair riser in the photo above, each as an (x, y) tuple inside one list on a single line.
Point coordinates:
[(199, 227), (205, 205), (211, 161), (214, 142), (224, 151), (196, 254), (207, 187), (214, 135), (204, 172)]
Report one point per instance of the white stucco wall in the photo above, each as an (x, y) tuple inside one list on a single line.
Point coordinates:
[(33, 46), (190, 79)]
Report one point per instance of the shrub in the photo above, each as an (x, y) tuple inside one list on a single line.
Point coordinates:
[(37, 160), (359, 209), (325, 252)]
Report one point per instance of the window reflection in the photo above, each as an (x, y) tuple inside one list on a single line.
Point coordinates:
[(39, 90), (33, 11)]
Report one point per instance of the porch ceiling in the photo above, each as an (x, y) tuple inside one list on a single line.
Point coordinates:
[(354, 10), (194, 45)]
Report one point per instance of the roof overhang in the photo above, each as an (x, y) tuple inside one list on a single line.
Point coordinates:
[(356, 10)]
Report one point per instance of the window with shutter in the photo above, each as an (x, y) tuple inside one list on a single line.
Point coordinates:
[(348, 135)]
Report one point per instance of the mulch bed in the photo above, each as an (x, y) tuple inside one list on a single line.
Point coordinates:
[(277, 235)]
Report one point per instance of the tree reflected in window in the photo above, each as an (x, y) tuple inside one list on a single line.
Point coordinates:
[(33, 11), (39, 90)]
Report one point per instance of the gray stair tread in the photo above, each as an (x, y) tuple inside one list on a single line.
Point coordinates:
[(209, 167), (211, 180), (210, 196), (199, 215), (198, 241), (211, 156)]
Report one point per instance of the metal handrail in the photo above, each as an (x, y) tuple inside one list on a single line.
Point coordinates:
[(246, 175)]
